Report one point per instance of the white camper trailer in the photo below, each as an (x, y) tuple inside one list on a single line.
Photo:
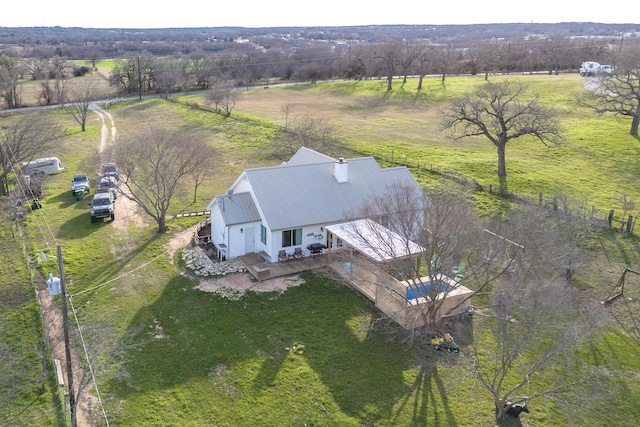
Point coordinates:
[(44, 166)]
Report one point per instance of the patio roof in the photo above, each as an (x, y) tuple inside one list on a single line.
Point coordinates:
[(375, 241)]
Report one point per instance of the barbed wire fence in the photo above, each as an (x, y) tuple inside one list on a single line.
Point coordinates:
[(618, 218)]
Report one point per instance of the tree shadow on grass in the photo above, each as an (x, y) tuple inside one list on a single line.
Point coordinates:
[(194, 336), (428, 399), (80, 226)]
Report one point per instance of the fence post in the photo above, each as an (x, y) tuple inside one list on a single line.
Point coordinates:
[(610, 217), (629, 224)]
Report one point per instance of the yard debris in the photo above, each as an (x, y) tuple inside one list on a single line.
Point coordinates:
[(295, 348), (447, 343)]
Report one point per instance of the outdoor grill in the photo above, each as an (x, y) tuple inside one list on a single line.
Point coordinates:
[(316, 248)]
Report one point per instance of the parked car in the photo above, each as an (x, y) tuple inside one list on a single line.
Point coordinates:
[(80, 185), (110, 169), (102, 206), (108, 184)]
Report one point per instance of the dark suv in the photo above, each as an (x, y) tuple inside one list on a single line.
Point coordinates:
[(102, 206), (111, 169)]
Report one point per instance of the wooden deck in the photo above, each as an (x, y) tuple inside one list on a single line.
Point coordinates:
[(262, 270)]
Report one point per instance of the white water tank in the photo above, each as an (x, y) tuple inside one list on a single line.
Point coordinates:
[(53, 285)]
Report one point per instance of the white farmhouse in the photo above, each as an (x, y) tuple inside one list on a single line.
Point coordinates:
[(288, 207)]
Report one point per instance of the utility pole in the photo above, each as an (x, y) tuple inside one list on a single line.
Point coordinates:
[(67, 347), (139, 81)]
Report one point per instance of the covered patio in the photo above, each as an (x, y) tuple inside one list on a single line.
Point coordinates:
[(370, 249)]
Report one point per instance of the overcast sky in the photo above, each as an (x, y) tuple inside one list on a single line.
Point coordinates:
[(278, 13)]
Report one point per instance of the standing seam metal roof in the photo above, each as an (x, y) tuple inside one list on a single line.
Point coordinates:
[(293, 196), (237, 208)]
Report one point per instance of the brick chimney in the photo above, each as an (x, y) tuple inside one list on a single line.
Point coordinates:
[(341, 171)]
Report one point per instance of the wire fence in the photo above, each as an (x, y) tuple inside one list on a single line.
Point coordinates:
[(620, 219)]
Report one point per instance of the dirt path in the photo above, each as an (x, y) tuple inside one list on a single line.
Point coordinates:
[(126, 211), (104, 134), (126, 214), (52, 315)]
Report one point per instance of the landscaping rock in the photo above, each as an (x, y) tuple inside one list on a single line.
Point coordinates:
[(201, 265)]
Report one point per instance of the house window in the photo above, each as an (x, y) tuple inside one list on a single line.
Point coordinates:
[(292, 237), (263, 234), (339, 242)]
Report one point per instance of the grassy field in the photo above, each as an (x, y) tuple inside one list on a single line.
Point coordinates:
[(195, 358)]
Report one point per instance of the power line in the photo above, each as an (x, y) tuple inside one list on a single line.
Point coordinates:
[(86, 355)]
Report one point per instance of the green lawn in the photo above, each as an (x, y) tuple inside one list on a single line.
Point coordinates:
[(199, 359)]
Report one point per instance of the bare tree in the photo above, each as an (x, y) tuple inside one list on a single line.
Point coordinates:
[(30, 135), (388, 57), (223, 98), (80, 97), (135, 74), (450, 233), (359, 62), (125, 76), (532, 316), (618, 93), (10, 71), (487, 57), (408, 58), (203, 168), (443, 57), (170, 74), (501, 113), (287, 109), (201, 70), (154, 164), (42, 71), (58, 69), (554, 51), (535, 324), (316, 133), (424, 58)]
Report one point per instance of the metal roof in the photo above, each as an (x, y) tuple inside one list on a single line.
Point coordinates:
[(375, 241), (237, 208), (305, 156), (293, 196), (304, 191)]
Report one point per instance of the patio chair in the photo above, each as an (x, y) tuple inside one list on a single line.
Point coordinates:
[(436, 263), (297, 253), (282, 256), (458, 269), (458, 272)]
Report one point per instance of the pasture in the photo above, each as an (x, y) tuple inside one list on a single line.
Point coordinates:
[(174, 355)]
